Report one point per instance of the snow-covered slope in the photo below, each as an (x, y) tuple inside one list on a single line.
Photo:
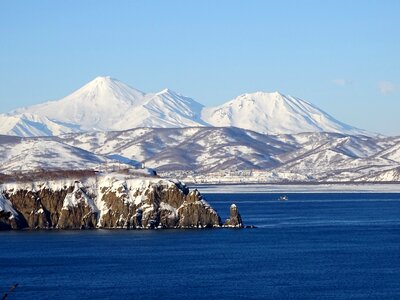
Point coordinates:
[(36, 154), (274, 113), (393, 152), (204, 150), (211, 154), (106, 104), (389, 175), (29, 125), (96, 106), (200, 149), (164, 110)]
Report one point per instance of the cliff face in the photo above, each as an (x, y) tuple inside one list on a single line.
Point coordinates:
[(104, 202)]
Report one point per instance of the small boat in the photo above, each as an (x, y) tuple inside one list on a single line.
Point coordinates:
[(283, 198)]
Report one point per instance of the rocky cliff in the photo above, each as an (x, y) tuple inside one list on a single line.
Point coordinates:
[(108, 201)]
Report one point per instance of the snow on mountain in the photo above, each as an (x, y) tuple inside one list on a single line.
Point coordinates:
[(310, 143), (290, 139), (29, 125), (6, 207), (36, 154), (383, 176), (108, 104), (392, 153), (274, 113), (211, 154), (96, 106), (333, 156), (164, 110), (203, 150)]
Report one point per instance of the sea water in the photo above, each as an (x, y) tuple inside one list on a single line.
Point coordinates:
[(313, 246)]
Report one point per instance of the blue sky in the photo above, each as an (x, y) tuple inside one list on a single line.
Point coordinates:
[(343, 56)]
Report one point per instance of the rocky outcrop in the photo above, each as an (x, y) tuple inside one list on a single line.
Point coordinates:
[(235, 219), (9, 218), (163, 204), (78, 211), (105, 202), (195, 212)]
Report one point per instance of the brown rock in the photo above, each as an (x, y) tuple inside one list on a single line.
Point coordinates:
[(8, 222), (78, 215), (235, 220), (159, 204), (195, 212)]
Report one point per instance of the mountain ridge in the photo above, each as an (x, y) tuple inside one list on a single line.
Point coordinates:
[(107, 104), (275, 113), (211, 154)]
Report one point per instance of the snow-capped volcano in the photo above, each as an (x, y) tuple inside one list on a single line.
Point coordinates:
[(274, 113), (107, 104), (96, 106)]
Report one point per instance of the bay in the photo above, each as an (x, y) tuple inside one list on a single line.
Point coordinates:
[(313, 246)]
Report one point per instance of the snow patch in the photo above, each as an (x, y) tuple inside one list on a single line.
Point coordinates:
[(6, 206)]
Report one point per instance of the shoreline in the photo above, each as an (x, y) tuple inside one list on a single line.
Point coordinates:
[(220, 188)]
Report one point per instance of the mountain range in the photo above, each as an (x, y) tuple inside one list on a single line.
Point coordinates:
[(211, 154), (258, 137), (107, 104)]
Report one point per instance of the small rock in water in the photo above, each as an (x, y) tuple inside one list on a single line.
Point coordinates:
[(235, 220), (250, 226)]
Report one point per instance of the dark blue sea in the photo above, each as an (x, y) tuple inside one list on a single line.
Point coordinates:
[(314, 246)]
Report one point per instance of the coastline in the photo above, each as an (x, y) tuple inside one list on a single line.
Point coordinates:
[(220, 188)]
